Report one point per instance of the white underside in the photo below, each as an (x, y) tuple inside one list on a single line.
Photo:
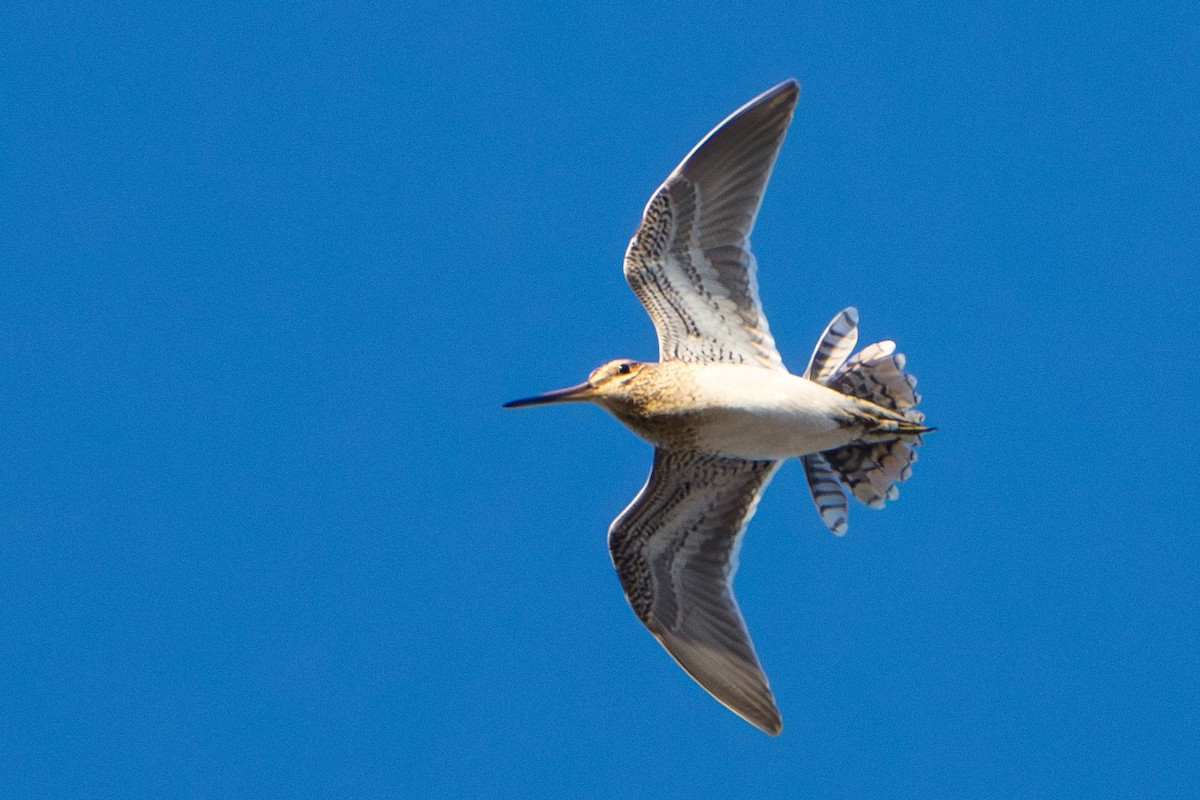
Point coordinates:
[(761, 414)]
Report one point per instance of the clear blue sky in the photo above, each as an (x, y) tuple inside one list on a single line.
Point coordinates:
[(267, 275)]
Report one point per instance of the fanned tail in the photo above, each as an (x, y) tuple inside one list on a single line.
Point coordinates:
[(871, 468)]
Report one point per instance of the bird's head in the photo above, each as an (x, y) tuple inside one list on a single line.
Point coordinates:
[(607, 382)]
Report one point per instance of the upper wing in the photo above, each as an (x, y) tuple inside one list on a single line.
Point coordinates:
[(690, 262), (675, 549)]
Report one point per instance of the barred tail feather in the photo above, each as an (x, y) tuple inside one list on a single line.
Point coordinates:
[(826, 492), (834, 346)]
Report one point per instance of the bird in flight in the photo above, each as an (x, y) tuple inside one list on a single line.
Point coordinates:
[(723, 412)]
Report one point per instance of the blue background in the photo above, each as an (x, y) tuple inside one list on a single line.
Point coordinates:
[(267, 274)]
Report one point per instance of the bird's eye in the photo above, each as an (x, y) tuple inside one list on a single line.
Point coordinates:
[(623, 369)]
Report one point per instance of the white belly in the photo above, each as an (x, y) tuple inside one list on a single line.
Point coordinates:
[(761, 414)]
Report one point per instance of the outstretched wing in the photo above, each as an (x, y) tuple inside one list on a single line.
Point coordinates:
[(690, 261), (675, 549)]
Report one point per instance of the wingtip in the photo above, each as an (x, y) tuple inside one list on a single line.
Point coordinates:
[(773, 727), (786, 93), (790, 84), (789, 88), (765, 718)]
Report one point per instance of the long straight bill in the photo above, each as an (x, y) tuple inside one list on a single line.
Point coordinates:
[(571, 394)]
